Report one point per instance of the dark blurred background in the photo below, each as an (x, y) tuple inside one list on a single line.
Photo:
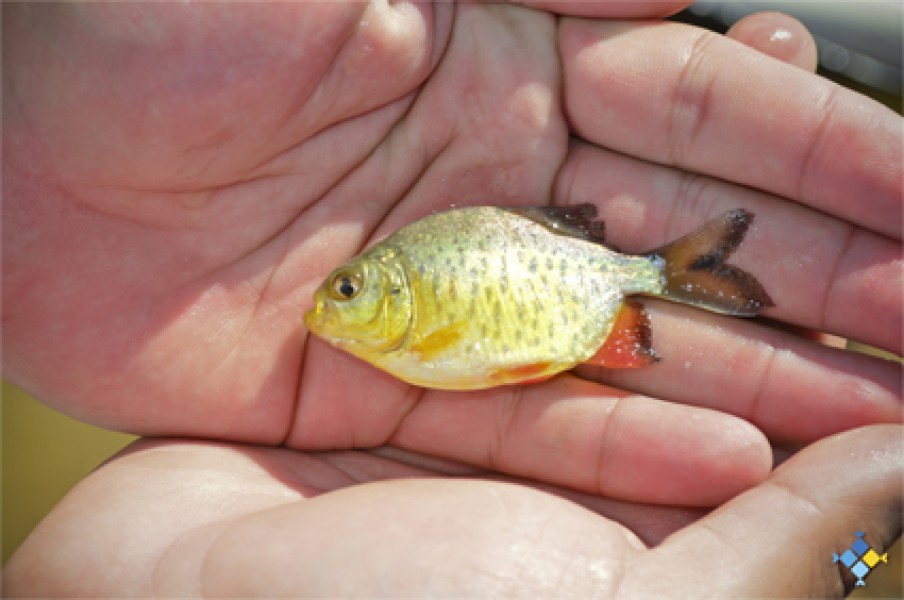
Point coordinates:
[(44, 453)]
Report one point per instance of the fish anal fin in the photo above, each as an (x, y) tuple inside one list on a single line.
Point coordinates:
[(576, 220), (437, 341), (628, 344), (696, 273)]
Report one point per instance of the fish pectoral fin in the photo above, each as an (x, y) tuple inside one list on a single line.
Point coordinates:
[(574, 221), (438, 340), (628, 343), (529, 373)]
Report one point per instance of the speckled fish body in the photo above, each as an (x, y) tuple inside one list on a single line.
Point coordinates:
[(483, 296)]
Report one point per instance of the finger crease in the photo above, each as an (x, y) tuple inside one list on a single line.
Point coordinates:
[(826, 110), (602, 457), (829, 292), (756, 399), (412, 400), (690, 102), (505, 423)]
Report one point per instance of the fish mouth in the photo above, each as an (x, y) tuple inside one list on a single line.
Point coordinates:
[(318, 316), (323, 320), (310, 319)]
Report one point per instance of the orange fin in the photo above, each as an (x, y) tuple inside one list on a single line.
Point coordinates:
[(533, 373), (628, 344), (696, 273), (437, 341)]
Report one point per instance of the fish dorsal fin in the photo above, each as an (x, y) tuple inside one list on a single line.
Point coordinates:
[(574, 221)]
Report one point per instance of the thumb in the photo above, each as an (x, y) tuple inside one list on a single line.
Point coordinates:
[(780, 538)]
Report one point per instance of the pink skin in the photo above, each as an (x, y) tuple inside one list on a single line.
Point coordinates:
[(779, 36), (178, 178)]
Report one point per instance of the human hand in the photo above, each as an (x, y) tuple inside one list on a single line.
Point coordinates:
[(170, 214), (187, 519)]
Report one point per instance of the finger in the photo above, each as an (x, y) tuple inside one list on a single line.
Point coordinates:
[(792, 389), (651, 523), (608, 9), (594, 439), (565, 432), (674, 94), (777, 35), (821, 273), (793, 524)]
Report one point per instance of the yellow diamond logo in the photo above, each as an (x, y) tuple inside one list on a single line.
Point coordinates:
[(871, 558)]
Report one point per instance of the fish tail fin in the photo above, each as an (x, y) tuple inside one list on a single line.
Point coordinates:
[(696, 273)]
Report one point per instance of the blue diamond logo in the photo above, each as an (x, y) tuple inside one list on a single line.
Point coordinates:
[(859, 570), (848, 558), (860, 547)]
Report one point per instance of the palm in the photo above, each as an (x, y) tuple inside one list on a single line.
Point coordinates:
[(189, 518), (198, 241)]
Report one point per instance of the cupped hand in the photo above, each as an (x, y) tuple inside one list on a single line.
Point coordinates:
[(193, 519), (178, 178)]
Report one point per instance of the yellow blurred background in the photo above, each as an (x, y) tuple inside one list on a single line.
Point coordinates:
[(44, 454)]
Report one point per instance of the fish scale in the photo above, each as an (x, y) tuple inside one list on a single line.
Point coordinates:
[(484, 296)]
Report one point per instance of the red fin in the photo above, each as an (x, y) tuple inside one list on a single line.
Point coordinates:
[(628, 344), (533, 373), (696, 273)]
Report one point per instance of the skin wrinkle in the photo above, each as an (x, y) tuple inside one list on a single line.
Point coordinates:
[(826, 109), (156, 579), (504, 426), (809, 505), (617, 582), (756, 399), (206, 566), (724, 539), (414, 399), (329, 72), (828, 293), (294, 109), (688, 199), (561, 187), (827, 298), (372, 154), (601, 462), (690, 101)]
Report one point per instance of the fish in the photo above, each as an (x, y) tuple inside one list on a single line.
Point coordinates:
[(481, 296)]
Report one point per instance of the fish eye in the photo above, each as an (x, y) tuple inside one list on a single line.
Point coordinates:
[(345, 286)]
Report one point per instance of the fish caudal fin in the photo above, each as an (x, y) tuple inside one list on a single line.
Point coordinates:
[(696, 273)]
